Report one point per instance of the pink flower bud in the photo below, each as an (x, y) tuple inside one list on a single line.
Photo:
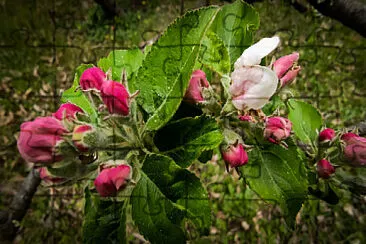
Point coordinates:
[(245, 118), (324, 168), (277, 129), (355, 150), (111, 180), (349, 138), (67, 111), (38, 140), (78, 135), (92, 78), (45, 175), (196, 84), (326, 135), (235, 156), (286, 69), (115, 97)]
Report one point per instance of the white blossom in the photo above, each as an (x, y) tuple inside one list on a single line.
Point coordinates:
[(253, 85)]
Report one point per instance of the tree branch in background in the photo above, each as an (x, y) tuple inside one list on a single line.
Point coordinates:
[(18, 208), (351, 13), (110, 7)]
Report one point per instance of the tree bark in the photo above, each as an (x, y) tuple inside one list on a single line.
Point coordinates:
[(351, 13), (18, 208)]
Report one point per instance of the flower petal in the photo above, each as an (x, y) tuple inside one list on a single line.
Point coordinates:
[(254, 54), (254, 88)]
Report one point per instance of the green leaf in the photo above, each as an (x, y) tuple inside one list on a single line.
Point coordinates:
[(77, 97), (278, 175), (184, 140), (104, 221), (214, 54), (275, 103), (182, 187), (353, 178), (163, 78), (130, 60), (167, 68), (306, 120), (157, 218), (235, 24)]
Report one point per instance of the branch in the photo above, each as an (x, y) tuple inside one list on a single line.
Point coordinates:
[(110, 7), (351, 13), (18, 208)]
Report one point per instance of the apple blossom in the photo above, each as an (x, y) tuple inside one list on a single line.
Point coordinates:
[(111, 180), (92, 78), (355, 150), (68, 111), (286, 68), (235, 155), (326, 135), (38, 140), (277, 129), (115, 97), (253, 85), (324, 168), (197, 82)]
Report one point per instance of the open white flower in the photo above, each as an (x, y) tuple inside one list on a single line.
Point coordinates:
[(253, 85)]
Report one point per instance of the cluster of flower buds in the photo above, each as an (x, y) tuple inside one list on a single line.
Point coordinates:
[(63, 136), (252, 85), (114, 95)]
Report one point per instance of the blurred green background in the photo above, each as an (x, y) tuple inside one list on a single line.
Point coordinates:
[(42, 42)]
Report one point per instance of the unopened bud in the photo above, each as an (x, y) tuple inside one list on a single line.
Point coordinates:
[(112, 180), (235, 155), (67, 111), (196, 85), (92, 79), (116, 97), (326, 135), (38, 140), (324, 168), (277, 129), (355, 149), (286, 68), (78, 137)]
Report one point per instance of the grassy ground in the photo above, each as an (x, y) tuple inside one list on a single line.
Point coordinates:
[(42, 43)]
